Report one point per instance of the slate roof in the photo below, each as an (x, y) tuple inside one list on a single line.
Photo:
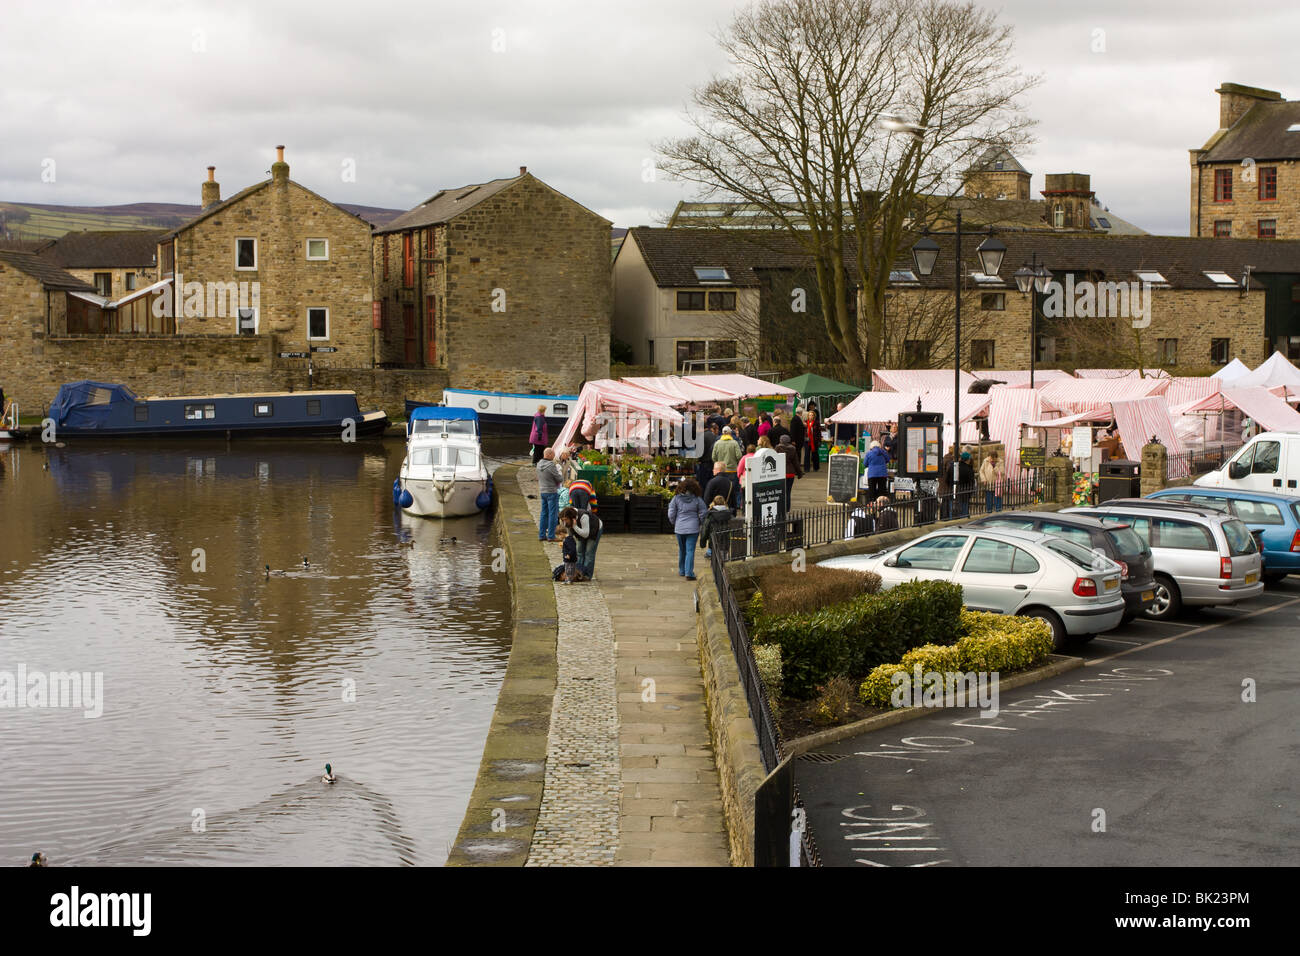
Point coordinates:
[(1261, 134), (50, 275), (989, 159), (672, 255), (108, 248), (446, 204)]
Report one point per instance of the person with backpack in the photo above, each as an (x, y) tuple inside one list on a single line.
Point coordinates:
[(585, 526), (717, 519), (686, 513), (792, 469), (538, 436)]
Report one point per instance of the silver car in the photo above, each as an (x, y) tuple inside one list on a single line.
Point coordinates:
[(1009, 571), (1202, 556)]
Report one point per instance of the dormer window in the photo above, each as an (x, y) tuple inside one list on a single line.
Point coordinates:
[(1152, 278), (1058, 217), (711, 274)]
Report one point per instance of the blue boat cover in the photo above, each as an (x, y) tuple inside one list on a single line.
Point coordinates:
[(87, 404), (439, 413)]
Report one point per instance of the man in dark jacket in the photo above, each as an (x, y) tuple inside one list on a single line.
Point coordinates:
[(965, 484), (719, 485), (750, 433), (886, 518), (889, 441), (798, 433), (704, 467), (777, 431), (944, 490)]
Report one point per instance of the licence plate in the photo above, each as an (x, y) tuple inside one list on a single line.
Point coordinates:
[(1111, 584), (1250, 578), (1148, 595)]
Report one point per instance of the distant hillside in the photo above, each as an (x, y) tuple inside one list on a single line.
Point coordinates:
[(31, 221)]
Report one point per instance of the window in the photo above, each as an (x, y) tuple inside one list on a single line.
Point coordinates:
[(1223, 229), (1295, 293), (1268, 229), (428, 249), (385, 256), (689, 351), (1069, 533), (245, 253), (981, 353), (1240, 540), (1152, 278), (722, 302), (142, 413), (1058, 217), (903, 277), (1183, 535), (1077, 554), (1221, 279), (1126, 542), (1258, 512), (997, 557), (690, 301), (1167, 351), (246, 322), (1140, 526), (318, 249), (263, 409), (168, 264), (445, 456), (408, 260), (916, 352), (383, 320), (933, 554), (1103, 222), (313, 406), (981, 279), (1223, 185), (197, 413), (1267, 455), (711, 274), (715, 351), (993, 301), (129, 281), (318, 323), (431, 327), (1219, 350), (104, 283), (1268, 182), (1046, 350)]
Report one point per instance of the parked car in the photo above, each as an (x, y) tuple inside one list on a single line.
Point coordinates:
[(1273, 519), (1008, 571), (1268, 462), (1202, 556), (1116, 541)]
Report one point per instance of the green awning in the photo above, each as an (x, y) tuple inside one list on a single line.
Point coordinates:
[(810, 385)]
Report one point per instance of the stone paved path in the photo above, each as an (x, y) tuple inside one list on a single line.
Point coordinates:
[(640, 721)]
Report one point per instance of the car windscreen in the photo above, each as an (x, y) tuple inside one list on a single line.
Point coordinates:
[(1079, 555), (1239, 538), (1295, 510), (1126, 541)]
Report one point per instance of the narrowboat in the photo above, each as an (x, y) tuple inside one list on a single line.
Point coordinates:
[(506, 412), (102, 410), (443, 475)]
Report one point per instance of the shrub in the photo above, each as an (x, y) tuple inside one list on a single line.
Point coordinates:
[(850, 638), (787, 591), (768, 659), (994, 643), (834, 702)]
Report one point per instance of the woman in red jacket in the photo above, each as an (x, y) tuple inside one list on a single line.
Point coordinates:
[(813, 420)]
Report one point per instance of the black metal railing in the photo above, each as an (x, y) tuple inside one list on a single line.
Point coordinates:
[(1200, 462), (809, 527)]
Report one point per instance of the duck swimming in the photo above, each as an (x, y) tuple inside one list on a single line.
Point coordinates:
[(328, 776), (39, 859)]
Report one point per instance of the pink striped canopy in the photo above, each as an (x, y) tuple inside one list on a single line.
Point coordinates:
[(635, 405), (916, 380), (1119, 373), (1020, 377), (1259, 403), (1009, 408), (1184, 390), (739, 386), (1077, 395), (675, 390), (1138, 421)]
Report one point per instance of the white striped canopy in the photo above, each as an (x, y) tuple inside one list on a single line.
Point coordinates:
[(1137, 420), (740, 386), (1020, 377), (675, 390), (632, 410), (1119, 373), (916, 380), (1184, 390), (1080, 395), (1259, 403), (1009, 408), (874, 408)]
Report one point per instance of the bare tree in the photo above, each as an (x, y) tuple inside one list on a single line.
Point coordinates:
[(796, 130)]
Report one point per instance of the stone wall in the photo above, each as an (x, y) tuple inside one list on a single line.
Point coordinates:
[(1246, 209)]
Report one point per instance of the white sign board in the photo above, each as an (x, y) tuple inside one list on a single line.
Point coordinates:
[(1081, 442)]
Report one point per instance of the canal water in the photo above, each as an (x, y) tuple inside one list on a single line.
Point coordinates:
[(226, 689)]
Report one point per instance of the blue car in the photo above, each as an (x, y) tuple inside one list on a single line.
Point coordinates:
[(1273, 519)]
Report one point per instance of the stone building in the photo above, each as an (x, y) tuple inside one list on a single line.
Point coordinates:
[(116, 262), (1246, 178), (1189, 305), (500, 284), (274, 259)]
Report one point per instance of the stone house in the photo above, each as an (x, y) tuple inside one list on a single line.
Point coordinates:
[(1186, 304), (116, 262), (499, 283), (274, 259), (35, 299), (1246, 178)]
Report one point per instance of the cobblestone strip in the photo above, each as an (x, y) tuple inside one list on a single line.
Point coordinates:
[(579, 819)]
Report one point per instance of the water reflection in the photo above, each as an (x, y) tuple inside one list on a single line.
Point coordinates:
[(227, 687)]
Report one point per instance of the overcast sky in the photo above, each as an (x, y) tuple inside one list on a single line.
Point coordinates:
[(133, 100)]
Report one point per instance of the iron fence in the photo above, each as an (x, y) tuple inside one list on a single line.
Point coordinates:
[(1203, 461)]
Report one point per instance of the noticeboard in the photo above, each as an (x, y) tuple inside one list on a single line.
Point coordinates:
[(919, 449), (765, 501), (842, 478), (1033, 457)]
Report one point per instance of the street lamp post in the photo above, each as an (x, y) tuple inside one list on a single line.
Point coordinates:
[(924, 255), (1038, 277)]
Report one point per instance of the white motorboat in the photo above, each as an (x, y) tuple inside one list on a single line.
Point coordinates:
[(443, 475)]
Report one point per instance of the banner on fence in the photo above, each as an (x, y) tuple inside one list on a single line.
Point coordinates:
[(765, 501)]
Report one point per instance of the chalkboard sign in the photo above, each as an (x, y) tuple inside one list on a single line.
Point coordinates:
[(1032, 457), (842, 479)]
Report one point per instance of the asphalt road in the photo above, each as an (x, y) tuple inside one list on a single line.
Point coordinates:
[(1145, 756)]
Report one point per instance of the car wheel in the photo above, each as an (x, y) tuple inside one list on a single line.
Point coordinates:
[(1054, 622), (1168, 600), (1273, 577)]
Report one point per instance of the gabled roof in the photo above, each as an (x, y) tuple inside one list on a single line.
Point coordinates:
[(107, 248), (991, 157), (244, 194), (1261, 134), (48, 274), (447, 204)]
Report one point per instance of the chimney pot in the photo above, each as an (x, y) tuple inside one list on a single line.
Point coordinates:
[(279, 154), (212, 174), (523, 170)]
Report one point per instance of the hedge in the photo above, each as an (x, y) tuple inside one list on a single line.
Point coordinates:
[(994, 643), (783, 590), (849, 639)]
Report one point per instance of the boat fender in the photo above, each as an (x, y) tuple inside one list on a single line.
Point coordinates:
[(406, 499), (483, 500), (397, 490)]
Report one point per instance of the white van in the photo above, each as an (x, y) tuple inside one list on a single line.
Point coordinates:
[(1268, 462)]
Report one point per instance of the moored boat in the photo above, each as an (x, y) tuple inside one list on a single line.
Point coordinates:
[(505, 412), (102, 410), (443, 474)]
